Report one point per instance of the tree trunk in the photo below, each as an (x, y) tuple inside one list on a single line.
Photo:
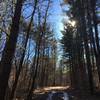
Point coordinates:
[(6, 61), (23, 55), (86, 46)]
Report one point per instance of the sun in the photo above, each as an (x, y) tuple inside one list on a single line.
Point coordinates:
[(73, 23)]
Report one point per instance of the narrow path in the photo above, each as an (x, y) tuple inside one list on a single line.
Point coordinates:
[(51, 93)]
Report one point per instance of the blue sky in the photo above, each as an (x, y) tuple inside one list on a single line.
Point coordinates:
[(56, 18), (57, 25)]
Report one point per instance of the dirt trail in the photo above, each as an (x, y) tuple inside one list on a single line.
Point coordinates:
[(62, 93), (51, 93)]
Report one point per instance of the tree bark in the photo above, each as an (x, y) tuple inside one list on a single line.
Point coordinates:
[(23, 55), (8, 53)]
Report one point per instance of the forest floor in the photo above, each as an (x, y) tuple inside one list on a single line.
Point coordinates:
[(61, 93)]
